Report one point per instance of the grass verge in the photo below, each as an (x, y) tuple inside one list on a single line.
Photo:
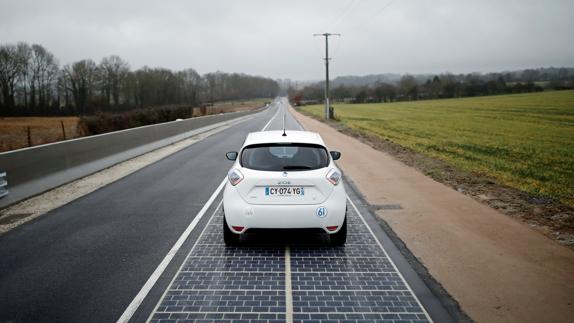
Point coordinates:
[(512, 152)]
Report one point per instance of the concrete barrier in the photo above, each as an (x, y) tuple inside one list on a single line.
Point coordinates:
[(31, 171)]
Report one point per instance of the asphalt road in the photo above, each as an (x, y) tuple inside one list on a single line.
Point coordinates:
[(86, 261)]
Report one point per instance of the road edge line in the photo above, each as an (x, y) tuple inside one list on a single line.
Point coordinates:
[(272, 118), (390, 259), (141, 295), (187, 256)]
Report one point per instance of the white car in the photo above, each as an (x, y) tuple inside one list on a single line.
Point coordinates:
[(284, 180)]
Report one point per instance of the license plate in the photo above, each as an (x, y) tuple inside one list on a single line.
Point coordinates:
[(284, 191)]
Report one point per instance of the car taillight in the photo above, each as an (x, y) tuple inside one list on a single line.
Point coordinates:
[(235, 177), (334, 176)]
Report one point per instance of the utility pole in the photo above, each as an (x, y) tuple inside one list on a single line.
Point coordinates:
[(326, 35)]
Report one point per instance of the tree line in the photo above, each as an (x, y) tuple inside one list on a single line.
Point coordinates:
[(413, 87), (33, 83)]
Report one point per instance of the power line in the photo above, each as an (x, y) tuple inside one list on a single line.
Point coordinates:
[(346, 11), (364, 21), (381, 10), (328, 114)]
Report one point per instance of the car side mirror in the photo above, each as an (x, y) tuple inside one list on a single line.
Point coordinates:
[(232, 155), (335, 155)]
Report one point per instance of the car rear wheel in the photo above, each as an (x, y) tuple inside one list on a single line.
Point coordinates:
[(230, 238), (338, 239)]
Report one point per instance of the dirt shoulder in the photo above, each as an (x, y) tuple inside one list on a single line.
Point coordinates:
[(498, 269)]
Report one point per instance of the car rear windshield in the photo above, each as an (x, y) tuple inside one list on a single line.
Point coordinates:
[(284, 157)]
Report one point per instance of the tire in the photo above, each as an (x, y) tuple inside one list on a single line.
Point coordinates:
[(230, 238), (338, 239)]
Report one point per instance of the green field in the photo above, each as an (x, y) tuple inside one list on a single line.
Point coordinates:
[(525, 141)]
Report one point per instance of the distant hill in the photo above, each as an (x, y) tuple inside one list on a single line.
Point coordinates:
[(352, 80)]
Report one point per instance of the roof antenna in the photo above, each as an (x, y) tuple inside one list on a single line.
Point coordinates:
[(284, 134)]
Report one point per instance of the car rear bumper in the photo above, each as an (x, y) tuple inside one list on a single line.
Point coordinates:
[(239, 213)]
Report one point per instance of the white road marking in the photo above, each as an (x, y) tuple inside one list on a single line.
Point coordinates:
[(131, 309), (288, 288), (180, 269), (136, 302), (390, 260), (272, 118)]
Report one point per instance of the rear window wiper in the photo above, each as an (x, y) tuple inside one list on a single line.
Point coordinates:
[(297, 167)]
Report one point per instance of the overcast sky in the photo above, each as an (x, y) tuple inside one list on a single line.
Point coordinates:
[(275, 38)]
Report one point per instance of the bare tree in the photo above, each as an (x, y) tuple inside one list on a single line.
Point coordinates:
[(31, 81), (384, 92), (13, 62), (191, 83), (62, 86), (42, 74), (81, 78), (408, 87), (210, 81), (113, 71)]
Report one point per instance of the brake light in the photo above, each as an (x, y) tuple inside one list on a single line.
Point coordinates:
[(238, 228), (332, 228), (334, 176), (234, 177)]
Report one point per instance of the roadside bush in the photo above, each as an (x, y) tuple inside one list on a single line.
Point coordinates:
[(107, 122)]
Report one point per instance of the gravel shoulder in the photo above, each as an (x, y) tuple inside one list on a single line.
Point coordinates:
[(498, 268)]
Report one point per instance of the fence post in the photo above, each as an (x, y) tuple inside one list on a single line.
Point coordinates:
[(29, 136), (63, 129)]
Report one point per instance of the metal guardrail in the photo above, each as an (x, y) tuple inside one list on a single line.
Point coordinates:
[(3, 184)]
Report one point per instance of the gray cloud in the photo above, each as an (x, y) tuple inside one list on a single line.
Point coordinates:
[(273, 38)]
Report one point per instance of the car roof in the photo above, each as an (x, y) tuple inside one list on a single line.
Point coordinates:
[(293, 136)]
